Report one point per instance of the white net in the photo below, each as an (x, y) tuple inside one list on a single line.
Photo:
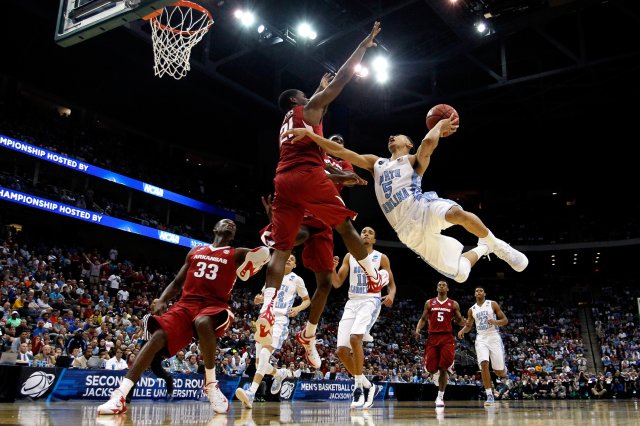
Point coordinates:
[(174, 32)]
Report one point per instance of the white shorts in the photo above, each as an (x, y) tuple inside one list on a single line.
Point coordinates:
[(421, 232), (489, 348), (358, 317), (279, 331)]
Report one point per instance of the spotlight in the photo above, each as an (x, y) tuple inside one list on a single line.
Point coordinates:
[(361, 71), (260, 29), (245, 17)]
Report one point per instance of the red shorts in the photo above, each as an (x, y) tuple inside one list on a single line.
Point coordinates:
[(440, 351), (318, 248), (178, 322), (304, 189)]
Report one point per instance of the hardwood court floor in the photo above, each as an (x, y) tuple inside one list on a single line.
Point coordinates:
[(415, 413)]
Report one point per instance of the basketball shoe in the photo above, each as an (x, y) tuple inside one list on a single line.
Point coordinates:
[(246, 397), (376, 284), (358, 398), (517, 260), (369, 395), (310, 350), (490, 402), (276, 385), (117, 404), (217, 399), (439, 402), (263, 325), (253, 262)]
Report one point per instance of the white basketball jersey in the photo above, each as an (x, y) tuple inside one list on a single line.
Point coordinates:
[(292, 286), (358, 287), (481, 314), (397, 185)]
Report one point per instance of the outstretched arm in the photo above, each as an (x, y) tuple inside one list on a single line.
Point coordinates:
[(430, 142), (314, 110), (365, 161)]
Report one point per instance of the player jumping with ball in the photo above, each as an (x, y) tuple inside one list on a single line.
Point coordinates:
[(419, 217)]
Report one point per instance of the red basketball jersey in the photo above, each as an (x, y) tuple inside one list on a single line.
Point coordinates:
[(211, 275), (441, 315), (303, 152)]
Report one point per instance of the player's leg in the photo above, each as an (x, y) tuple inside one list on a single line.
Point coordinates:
[(367, 311), (317, 256), (496, 354), (447, 356), (345, 325), (472, 223), (208, 327), (483, 354), (117, 401)]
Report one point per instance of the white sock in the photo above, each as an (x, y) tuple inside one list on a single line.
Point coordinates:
[(480, 250), (264, 356), (365, 382), (359, 380), (368, 266), (488, 391), (440, 394), (126, 385), (310, 329), (489, 240), (210, 375), (254, 387), (269, 293)]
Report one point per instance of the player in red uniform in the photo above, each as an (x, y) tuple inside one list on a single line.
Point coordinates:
[(206, 280), (440, 350), (302, 186)]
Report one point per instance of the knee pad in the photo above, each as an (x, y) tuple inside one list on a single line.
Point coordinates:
[(464, 269)]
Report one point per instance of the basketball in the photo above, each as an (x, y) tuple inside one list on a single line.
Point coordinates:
[(439, 112)]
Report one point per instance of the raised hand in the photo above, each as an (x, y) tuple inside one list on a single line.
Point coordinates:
[(370, 40), (326, 79)]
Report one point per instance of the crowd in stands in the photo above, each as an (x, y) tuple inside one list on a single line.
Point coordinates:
[(65, 301)]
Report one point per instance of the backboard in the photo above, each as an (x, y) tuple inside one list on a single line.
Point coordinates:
[(79, 20)]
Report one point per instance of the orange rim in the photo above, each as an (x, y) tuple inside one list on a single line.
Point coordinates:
[(182, 3)]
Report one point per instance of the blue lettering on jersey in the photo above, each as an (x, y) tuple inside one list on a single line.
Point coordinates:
[(386, 181), (361, 287), (481, 321), (280, 303), (395, 200)]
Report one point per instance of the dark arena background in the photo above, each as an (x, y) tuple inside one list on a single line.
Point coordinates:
[(109, 174)]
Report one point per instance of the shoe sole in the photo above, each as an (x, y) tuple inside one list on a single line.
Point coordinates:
[(307, 344), (243, 397), (124, 410), (263, 327)]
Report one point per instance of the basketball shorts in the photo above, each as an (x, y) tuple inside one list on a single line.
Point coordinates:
[(421, 232), (489, 348), (178, 322), (358, 317), (317, 249), (440, 351), (279, 331), (303, 190)]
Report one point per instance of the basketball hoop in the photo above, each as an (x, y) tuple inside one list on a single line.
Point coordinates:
[(174, 31)]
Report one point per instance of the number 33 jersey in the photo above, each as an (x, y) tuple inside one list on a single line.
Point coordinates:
[(211, 275)]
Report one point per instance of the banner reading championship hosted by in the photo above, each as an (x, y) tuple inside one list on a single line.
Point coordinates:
[(55, 384), (93, 217), (90, 169)]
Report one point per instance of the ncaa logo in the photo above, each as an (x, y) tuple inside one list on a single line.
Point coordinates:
[(287, 390), (225, 251), (37, 384)]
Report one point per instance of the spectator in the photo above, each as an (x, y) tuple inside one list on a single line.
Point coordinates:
[(179, 365), (46, 357), (82, 361), (116, 362)]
